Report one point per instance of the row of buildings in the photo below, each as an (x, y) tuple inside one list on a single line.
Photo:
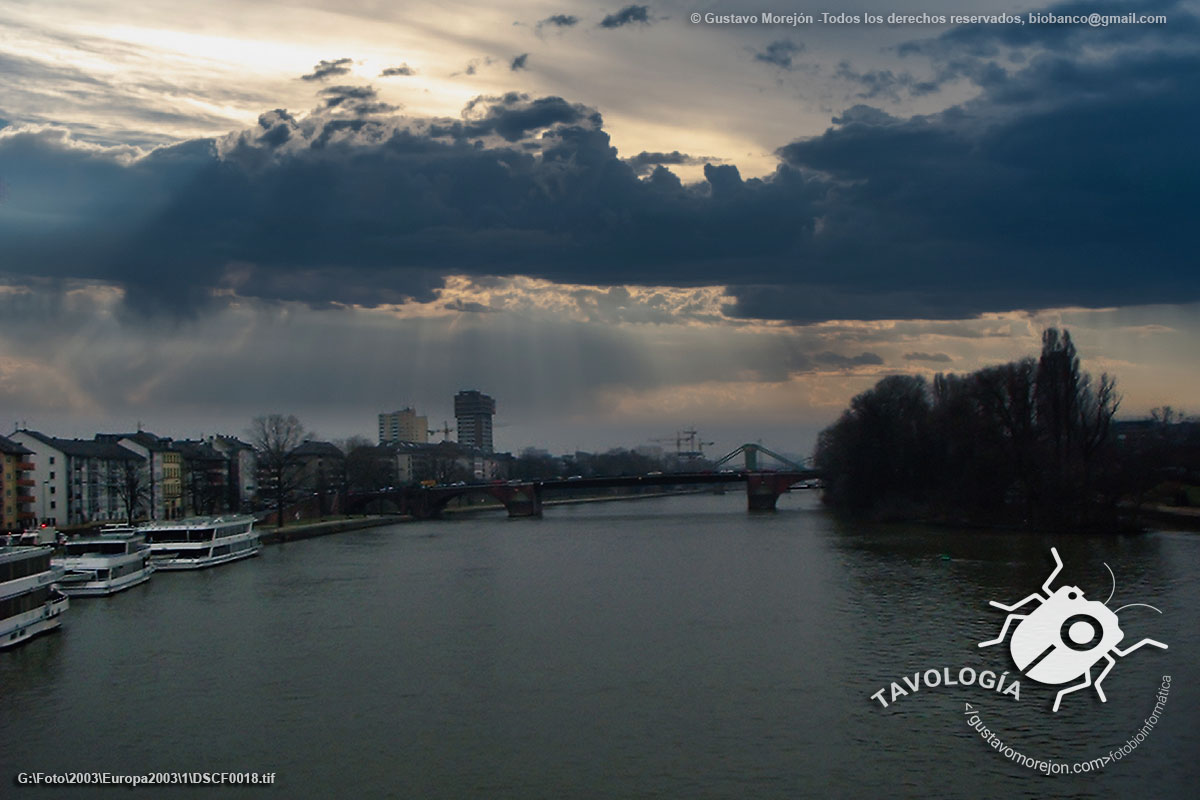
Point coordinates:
[(114, 476)]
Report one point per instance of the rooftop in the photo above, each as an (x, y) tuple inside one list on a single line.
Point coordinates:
[(197, 450), (144, 438), (86, 448), (12, 448), (322, 449)]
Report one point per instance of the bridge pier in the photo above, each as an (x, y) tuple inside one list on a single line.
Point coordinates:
[(421, 505), (763, 490), (520, 501)]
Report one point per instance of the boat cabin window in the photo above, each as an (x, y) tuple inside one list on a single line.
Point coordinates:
[(234, 530), (83, 548), (180, 535), (11, 606), (21, 568)]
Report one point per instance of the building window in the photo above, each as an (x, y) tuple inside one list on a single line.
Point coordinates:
[(52, 473), (51, 459), (53, 504)]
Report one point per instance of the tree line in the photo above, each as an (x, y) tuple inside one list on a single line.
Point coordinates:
[(1027, 443)]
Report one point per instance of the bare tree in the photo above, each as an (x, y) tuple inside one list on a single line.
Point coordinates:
[(204, 493), (274, 438), (131, 484), (1165, 415)]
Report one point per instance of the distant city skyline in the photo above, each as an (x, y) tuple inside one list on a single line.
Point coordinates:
[(616, 222)]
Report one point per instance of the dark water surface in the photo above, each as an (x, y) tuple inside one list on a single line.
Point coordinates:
[(673, 648)]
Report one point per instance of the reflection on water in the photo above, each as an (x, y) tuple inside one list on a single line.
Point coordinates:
[(673, 647)]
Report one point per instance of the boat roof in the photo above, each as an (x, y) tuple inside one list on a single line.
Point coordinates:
[(107, 536), (196, 522), (21, 552)]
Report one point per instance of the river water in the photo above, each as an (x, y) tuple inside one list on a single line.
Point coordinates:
[(675, 647)]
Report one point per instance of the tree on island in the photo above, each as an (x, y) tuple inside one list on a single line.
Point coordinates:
[(274, 438), (1028, 442)]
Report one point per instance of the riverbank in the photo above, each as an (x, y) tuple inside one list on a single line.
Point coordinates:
[(309, 530), (296, 532), (1184, 518), (1145, 519), (573, 501)]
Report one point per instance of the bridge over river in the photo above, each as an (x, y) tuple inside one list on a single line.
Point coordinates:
[(525, 498)]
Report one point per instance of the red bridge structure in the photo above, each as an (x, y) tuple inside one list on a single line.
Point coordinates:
[(524, 498)]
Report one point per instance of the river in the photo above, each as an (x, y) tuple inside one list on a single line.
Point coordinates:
[(673, 647)]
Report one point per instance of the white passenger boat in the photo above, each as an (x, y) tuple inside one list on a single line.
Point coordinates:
[(200, 541), (116, 559), (30, 603)]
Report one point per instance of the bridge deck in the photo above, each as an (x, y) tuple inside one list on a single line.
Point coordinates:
[(665, 479), (524, 498)]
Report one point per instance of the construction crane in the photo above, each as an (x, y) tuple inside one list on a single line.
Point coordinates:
[(691, 437), (696, 447), (445, 430)]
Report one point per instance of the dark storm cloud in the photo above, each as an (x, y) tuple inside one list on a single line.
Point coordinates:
[(404, 70), (885, 83), (328, 69), (1071, 181), (355, 99), (469, 306), (990, 41), (558, 21), (644, 162), (986, 54), (838, 361), (629, 15), (336, 95), (939, 358), (779, 53), (518, 63), (514, 115)]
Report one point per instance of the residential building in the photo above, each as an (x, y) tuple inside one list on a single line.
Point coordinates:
[(444, 462), (408, 462), (205, 478), (16, 487), (474, 411), (404, 425), (79, 481), (242, 462), (165, 466), (322, 470)]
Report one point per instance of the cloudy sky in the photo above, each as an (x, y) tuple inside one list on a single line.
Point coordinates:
[(614, 220)]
